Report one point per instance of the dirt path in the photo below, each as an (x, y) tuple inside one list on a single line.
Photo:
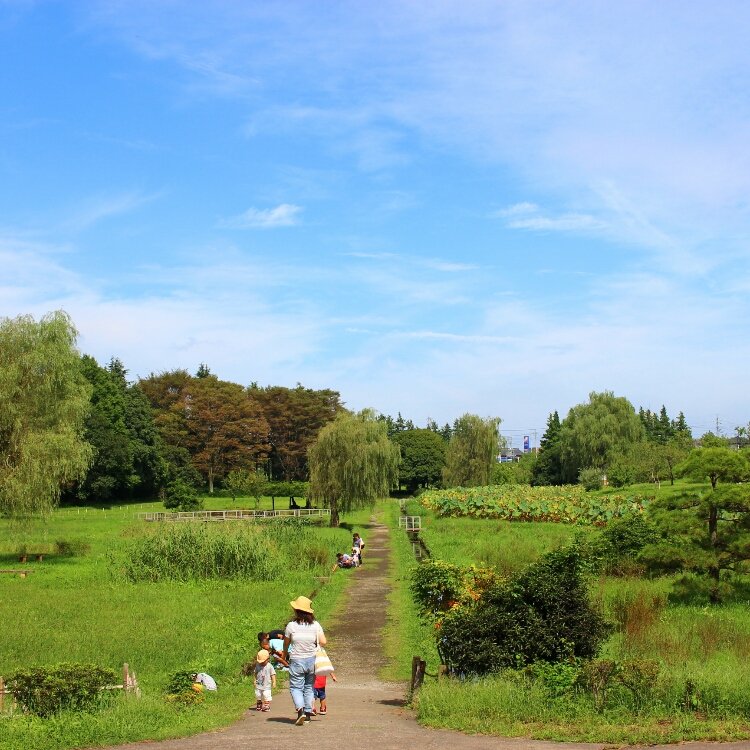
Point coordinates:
[(364, 711)]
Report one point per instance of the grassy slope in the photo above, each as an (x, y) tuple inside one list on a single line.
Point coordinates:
[(708, 646), (74, 609)]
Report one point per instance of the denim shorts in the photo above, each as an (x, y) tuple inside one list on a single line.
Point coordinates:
[(319, 693)]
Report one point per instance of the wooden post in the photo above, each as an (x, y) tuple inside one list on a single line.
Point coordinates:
[(126, 677), (2, 694), (420, 673), (414, 668)]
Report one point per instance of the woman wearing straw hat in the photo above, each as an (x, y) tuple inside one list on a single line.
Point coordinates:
[(304, 634)]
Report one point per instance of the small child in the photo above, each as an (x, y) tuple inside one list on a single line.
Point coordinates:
[(264, 680), (319, 693)]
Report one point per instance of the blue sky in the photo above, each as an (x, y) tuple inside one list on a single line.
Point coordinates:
[(434, 208)]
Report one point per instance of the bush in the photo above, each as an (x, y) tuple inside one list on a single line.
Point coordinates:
[(591, 479), (181, 496), (46, 690), (72, 547), (180, 690), (436, 585), (542, 614)]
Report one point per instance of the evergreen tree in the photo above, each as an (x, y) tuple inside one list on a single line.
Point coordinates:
[(547, 470)]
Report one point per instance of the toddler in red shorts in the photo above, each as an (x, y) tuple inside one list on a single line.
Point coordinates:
[(319, 693)]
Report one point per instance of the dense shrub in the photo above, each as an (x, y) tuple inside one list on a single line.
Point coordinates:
[(542, 614), (436, 585), (615, 550), (181, 496), (590, 479), (46, 690)]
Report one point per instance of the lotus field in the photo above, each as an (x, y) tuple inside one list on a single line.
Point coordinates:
[(567, 504)]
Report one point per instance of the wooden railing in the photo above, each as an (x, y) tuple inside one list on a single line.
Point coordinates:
[(410, 523)]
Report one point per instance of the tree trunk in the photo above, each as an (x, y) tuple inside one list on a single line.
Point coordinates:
[(334, 514), (713, 570), (210, 482)]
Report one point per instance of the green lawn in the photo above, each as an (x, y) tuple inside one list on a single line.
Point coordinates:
[(82, 609)]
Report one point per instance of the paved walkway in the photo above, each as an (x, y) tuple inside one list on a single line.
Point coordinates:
[(364, 712)]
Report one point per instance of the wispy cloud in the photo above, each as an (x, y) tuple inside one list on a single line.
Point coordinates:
[(101, 208), (529, 216), (283, 215)]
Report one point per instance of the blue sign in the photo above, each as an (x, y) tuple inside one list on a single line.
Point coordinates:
[(526, 446)]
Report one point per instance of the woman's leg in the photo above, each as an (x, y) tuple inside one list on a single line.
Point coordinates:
[(297, 677), (309, 680)]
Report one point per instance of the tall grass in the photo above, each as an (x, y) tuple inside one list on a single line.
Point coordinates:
[(406, 635), (195, 550)]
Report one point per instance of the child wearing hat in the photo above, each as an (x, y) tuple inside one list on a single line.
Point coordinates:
[(264, 680)]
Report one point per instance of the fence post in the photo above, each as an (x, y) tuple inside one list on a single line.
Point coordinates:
[(2, 694), (418, 666)]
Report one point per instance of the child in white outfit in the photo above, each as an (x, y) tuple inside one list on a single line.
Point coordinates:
[(264, 680)]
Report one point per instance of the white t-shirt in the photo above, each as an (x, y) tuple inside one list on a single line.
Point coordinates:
[(304, 637)]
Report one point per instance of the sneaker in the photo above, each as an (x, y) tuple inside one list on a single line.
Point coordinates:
[(300, 717), (266, 707), (258, 706), (308, 718)]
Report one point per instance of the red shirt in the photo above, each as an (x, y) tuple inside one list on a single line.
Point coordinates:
[(320, 681)]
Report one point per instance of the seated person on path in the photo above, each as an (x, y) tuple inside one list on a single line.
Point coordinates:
[(343, 561)]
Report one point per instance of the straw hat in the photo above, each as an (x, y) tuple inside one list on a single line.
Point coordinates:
[(303, 604), (262, 656)]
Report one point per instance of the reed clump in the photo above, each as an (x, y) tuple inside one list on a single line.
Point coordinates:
[(198, 551)]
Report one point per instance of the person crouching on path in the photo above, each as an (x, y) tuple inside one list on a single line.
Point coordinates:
[(305, 635), (265, 680)]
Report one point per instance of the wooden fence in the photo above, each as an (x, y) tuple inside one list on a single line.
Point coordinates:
[(235, 515)]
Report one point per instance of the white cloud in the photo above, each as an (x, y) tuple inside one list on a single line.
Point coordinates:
[(283, 215), (529, 216), (105, 207)]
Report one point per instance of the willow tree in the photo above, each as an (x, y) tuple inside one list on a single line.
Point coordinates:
[(352, 463), (44, 399), (472, 451)]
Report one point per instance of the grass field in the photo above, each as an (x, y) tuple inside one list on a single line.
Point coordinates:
[(83, 609), (704, 648)]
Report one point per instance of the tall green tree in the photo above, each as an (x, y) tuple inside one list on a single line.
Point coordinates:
[(547, 470), (472, 451), (44, 399), (422, 457), (352, 463), (593, 434)]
